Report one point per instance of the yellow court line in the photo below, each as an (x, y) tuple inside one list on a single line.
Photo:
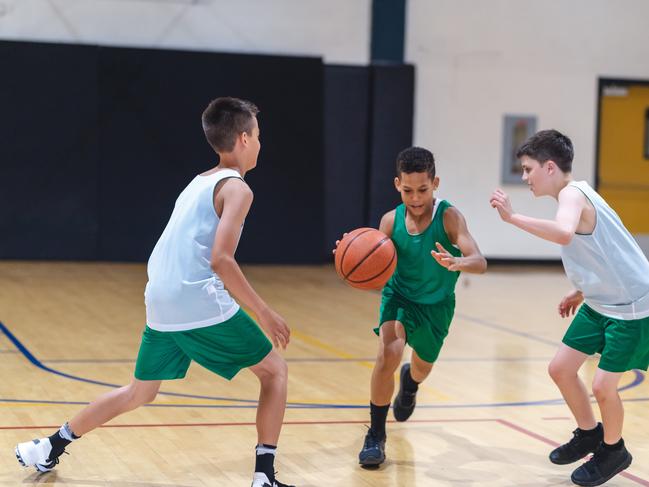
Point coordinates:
[(310, 340)]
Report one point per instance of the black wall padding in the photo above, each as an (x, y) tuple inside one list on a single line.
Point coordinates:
[(346, 150), (392, 98), (48, 147), (98, 143)]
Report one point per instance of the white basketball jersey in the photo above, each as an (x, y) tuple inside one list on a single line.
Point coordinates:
[(608, 266), (183, 291)]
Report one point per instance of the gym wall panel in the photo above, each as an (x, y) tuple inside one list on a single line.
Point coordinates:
[(346, 150), (152, 145), (100, 141), (392, 99), (48, 163)]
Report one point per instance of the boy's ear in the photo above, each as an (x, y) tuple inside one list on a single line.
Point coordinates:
[(397, 184), (551, 165), (435, 183)]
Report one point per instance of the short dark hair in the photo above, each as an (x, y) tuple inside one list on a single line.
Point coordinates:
[(549, 145), (416, 159), (224, 119)]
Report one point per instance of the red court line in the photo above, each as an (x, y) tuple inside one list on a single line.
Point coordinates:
[(503, 422)]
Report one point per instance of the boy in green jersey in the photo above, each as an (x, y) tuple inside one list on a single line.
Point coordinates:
[(433, 245)]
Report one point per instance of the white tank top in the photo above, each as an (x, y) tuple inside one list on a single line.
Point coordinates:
[(183, 291), (608, 266)]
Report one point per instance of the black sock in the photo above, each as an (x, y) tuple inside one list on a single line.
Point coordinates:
[(595, 431), (409, 384), (265, 460), (614, 447), (58, 445), (379, 415)]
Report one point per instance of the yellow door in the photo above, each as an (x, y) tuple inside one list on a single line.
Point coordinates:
[(623, 169)]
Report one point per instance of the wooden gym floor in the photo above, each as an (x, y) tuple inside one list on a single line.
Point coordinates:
[(487, 416)]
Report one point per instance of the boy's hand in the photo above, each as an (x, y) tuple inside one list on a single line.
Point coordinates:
[(276, 327), (500, 201), (338, 243), (569, 303), (446, 259)]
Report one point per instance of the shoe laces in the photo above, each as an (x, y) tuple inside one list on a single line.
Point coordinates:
[(371, 439), (55, 460), (577, 435), (277, 483)]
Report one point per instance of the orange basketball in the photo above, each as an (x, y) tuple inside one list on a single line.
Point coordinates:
[(366, 258)]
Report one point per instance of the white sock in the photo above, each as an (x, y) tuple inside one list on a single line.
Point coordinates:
[(66, 433)]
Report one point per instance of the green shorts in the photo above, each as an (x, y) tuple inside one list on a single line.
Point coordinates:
[(426, 325), (224, 348), (623, 344)]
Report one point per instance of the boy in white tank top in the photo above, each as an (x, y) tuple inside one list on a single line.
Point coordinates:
[(610, 275), (190, 313)]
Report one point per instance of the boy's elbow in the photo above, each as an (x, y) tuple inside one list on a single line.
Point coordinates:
[(219, 262), (565, 238)]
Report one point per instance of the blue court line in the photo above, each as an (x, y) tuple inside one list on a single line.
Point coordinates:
[(251, 403)]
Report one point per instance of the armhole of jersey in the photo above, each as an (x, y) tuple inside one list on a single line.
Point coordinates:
[(214, 191), (443, 210), (574, 184), (402, 216), (435, 207)]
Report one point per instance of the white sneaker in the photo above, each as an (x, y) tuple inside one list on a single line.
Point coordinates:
[(36, 453), (260, 479)]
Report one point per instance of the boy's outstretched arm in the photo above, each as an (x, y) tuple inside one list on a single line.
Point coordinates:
[(237, 198), (560, 230), (456, 228)]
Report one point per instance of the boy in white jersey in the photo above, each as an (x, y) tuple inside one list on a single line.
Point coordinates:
[(190, 314), (611, 276)]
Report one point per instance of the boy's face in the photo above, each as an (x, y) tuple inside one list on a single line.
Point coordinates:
[(252, 144), (416, 190), (536, 175)]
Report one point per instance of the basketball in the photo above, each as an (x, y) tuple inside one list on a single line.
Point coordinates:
[(366, 258)]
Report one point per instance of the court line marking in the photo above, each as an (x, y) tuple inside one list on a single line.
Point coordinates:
[(506, 329), (553, 443), (250, 403), (500, 421)]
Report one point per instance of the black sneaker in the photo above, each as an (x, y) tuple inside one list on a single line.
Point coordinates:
[(603, 466), (578, 447), (373, 452), (404, 402)]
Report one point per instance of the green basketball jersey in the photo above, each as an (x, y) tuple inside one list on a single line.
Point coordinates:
[(418, 277)]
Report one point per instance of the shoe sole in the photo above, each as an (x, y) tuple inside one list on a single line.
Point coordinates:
[(19, 457), (571, 461), (371, 462), (622, 467)]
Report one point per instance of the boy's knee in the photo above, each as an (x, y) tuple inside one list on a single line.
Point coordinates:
[(557, 371), (138, 396), (281, 370), (603, 392), (274, 367)]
